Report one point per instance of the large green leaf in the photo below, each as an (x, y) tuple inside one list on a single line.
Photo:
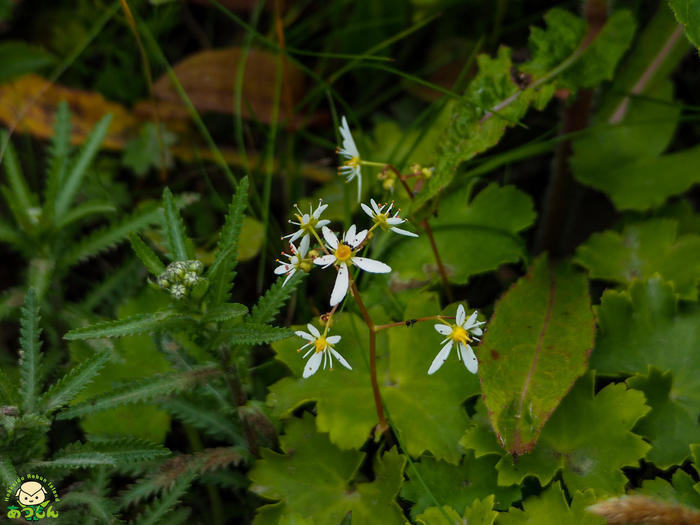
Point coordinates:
[(315, 480), (550, 508), (640, 251), (588, 439), (426, 410), (644, 327), (688, 13), (472, 235), (479, 513), (457, 485), (536, 346), (680, 490)]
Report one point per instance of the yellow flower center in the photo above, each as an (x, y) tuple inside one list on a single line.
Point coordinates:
[(380, 219), (460, 335), (320, 344), (353, 162), (343, 252)]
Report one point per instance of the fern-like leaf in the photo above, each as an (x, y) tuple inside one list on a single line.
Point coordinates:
[(120, 283), (19, 193), (70, 184), (85, 209), (210, 421), (269, 305), (221, 273), (225, 312), (71, 384), (155, 512), (175, 235), (7, 471), (148, 257), (142, 390), (133, 325), (127, 450), (101, 508), (252, 334), (30, 353), (59, 157), (75, 460)]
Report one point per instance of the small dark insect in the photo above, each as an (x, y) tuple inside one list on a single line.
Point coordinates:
[(522, 80), (411, 322)]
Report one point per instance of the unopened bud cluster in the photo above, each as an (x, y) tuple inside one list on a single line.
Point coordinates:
[(180, 277)]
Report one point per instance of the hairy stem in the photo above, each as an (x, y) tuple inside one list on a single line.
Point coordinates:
[(383, 426)]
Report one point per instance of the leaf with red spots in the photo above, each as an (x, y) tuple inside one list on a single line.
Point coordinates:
[(536, 346)]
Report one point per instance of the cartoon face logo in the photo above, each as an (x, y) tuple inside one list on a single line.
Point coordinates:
[(31, 493)]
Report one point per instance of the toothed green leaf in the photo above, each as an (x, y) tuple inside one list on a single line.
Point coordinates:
[(175, 234), (30, 353), (225, 312), (136, 324)]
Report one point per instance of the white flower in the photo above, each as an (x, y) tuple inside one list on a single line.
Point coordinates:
[(351, 167), (463, 332), (322, 348), (382, 218), (296, 259), (307, 222), (343, 254)]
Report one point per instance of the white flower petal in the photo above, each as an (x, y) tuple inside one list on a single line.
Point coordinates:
[(341, 285), (443, 329), (294, 236), (370, 265), (304, 335), (289, 276), (330, 237), (322, 223), (476, 330), (348, 142), (472, 319), (393, 221), (325, 260), (359, 238), (377, 208), (349, 236), (403, 232), (359, 184), (312, 364), (304, 245), (340, 358), (321, 208), (333, 339), (313, 330), (284, 268), (440, 358), (470, 360), (461, 314), (367, 209)]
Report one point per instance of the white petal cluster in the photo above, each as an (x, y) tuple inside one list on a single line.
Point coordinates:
[(384, 218), (296, 258), (351, 167), (463, 332), (342, 254), (322, 348), (307, 222)]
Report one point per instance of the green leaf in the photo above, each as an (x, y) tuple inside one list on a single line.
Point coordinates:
[(315, 479), (135, 324), (536, 346), (30, 353), (70, 184), (144, 152), (58, 159), (588, 438), (438, 420), (267, 307), (142, 390), (157, 510), (18, 196), (225, 312), (472, 235), (458, 486), (479, 513), (680, 490), (688, 14), (85, 209), (640, 251), (8, 474), (253, 334), (644, 327), (175, 235), (221, 273), (209, 420), (403, 359), (550, 508), (19, 58), (669, 427), (70, 385), (146, 255)]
